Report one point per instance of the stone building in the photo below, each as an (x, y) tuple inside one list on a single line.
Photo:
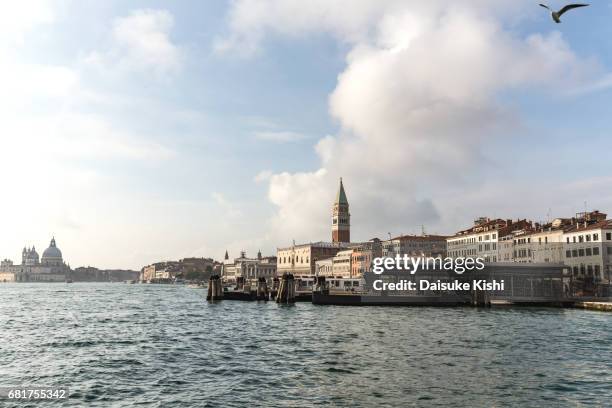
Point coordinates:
[(588, 251), (300, 259), (48, 268), (483, 238), (363, 255), (415, 245), (248, 268)]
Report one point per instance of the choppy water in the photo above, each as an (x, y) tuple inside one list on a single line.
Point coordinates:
[(121, 345)]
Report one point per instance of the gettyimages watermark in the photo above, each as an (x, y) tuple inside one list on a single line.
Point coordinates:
[(412, 264), (438, 270)]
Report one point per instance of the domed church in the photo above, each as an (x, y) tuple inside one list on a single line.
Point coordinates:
[(52, 255), (50, 268)]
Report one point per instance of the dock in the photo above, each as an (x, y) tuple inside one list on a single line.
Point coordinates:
[(601, 306)]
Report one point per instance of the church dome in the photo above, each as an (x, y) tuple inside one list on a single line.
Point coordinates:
[(52, 253)]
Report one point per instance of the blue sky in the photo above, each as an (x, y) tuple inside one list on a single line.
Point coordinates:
[(147, 130)]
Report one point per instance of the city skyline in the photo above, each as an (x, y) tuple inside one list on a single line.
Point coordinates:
[(147, 131)]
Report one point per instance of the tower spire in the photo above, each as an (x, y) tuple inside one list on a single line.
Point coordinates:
[(341, 225)]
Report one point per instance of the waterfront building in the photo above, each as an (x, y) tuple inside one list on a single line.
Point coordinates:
[(588, 250), (48, 268), (415, 245), (92, 274), (363, 256), (248, 268), (300, 259), (6, 275), (341, 218), (540, 244), (159, 272), (324, 267), (481, 240), (185, 268), (341, 264)]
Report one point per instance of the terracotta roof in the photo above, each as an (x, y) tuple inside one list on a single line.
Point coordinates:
[(420, 238), (607, 224)]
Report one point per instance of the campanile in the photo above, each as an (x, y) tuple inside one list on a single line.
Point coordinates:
[(341, 218)]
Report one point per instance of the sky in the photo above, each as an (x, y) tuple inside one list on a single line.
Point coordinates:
[(140, 131)]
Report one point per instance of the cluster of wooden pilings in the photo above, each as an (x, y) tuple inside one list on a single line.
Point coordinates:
[(262, 289), (480, 298), (215, 288), (286, 289)]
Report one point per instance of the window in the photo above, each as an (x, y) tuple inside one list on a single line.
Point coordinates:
[(609, 236), (568, 254), (494, 236), (567, 239), (581, 252), (588, 252), (609, 250), (581, 238), (596, 251), (588, 238), (574, 239), (574, 253), (595, 237), (546, 240)]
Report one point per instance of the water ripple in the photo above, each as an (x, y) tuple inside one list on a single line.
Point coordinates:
[(164, 346)]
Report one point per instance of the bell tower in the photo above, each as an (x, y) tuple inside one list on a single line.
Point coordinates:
[(341, 218)]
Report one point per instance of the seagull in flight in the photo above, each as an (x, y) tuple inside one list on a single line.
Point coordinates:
[(556, 15)]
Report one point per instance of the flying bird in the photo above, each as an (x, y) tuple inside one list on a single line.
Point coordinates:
[(556, 15)]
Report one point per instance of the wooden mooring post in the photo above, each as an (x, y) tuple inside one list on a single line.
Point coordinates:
[(286, 290), (275, 285), (215, 288), (262, 289), (480, 298)]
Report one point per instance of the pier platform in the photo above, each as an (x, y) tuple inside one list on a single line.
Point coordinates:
[(601, 306)]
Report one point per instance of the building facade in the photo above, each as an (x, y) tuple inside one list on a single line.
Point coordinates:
[(363, 255), (482, 240), (324, 267), (415, 245), (248, 268), (588, 251), (301, 259), (48, 268)]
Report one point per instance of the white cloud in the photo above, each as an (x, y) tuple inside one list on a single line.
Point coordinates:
[(416, 101), (141, 42), (20, 17), (263, 176)]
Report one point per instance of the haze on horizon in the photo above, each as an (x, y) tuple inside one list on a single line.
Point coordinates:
[(149, 130)]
